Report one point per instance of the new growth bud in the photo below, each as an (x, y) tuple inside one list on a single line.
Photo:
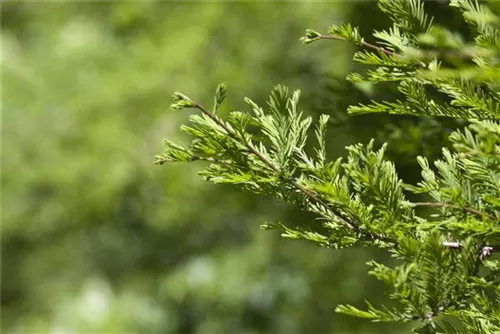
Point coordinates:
[(181, 101), (310, 36), (220, 95)]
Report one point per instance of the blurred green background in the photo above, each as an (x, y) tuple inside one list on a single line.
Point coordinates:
[(97, 239)]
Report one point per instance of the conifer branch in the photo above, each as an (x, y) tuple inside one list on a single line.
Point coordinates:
[(458, 245), (453, 206), (361, 43), (439, 275), (311, 195), (481, 153)]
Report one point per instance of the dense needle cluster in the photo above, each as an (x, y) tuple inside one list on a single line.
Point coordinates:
[(448, 275)]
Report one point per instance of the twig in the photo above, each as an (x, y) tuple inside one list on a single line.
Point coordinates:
[(311, 195), (480, 153), (486, 251), (363, 43), (458, 245), (366, 45), (453, 206)]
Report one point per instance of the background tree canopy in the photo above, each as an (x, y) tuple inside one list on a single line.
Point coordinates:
[(95, 238)]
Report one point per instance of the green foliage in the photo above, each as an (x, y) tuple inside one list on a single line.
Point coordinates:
[(483, 20), (445, 269), (96, 239), (430, 63), (347, 32), (407, 16)]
